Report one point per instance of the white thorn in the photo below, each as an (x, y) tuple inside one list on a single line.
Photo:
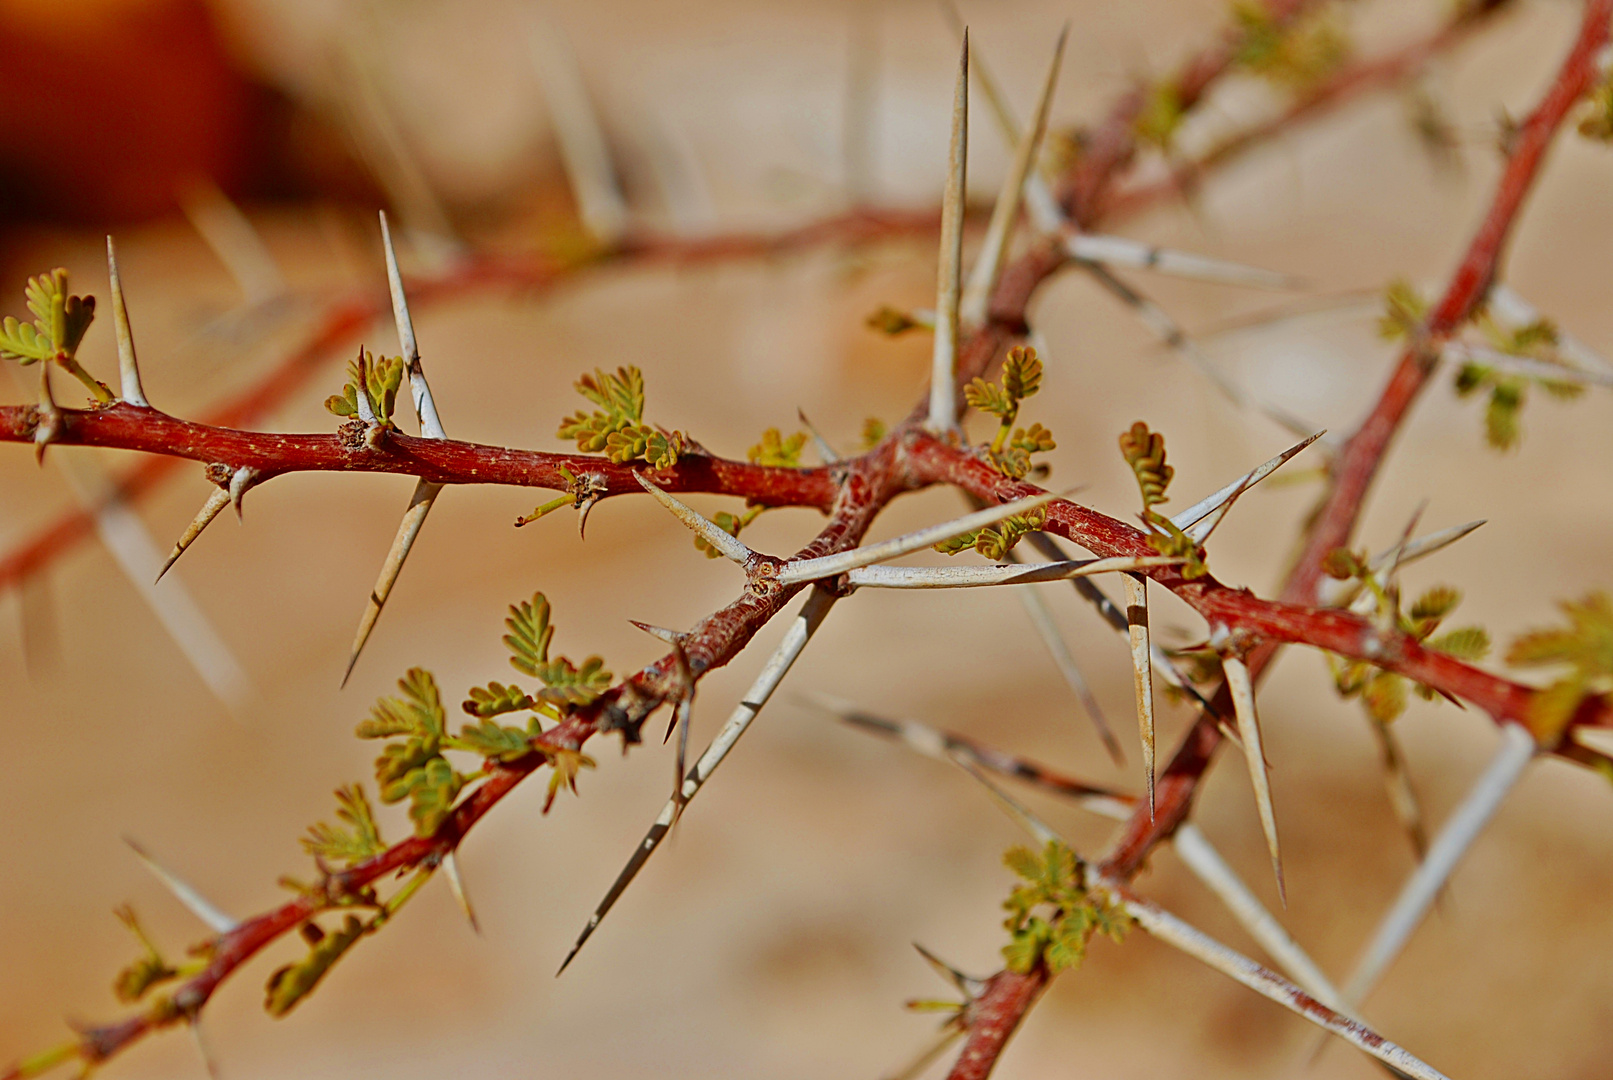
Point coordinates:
[(1200, 513), (197, 904), (1466, 823), (1522, 365), (1507, 304), (728, 545), (943, 390), (424, 406), (967, 577), (584, 153), (1241, 686), (1005, 213), (234, 241), (1142, 672), (450, 870), (241, 481), (828, 453), (778, 665), (830, 565), (1123, 251), (217, 500), (1201, 857), (1189, 939), (967, 985), (420, 504), (128, 367), (1335, 593)]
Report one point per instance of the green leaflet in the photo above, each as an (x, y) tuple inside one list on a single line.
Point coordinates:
[(60, 321), (357, 840), (1051, 916), (617, 426), (495, 699), (293, 982), (149, 970), (378, 379), (775, 449), (528, 640), (1585, 647), (1297, 54)]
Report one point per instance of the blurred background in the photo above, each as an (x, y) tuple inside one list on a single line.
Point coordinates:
[(771, 937)]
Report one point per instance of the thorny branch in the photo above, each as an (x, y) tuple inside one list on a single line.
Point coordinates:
[(852, 493)]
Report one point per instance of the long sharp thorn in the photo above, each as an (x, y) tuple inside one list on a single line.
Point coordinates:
[(966, 577), (1123, 251), (128, 367), (1241, 686), (197, 904), (967, 985), (217, 500), (1338, 592), (234, 241), (828, 453), (950, 1034), (1466, 823), (425, 407), (1507, 303), (1201, 857), (1142, 672), (584, 152), (199, 1040), (778, 665), (1042, 618), (1397, 785), (420, 504), (1161, 924), (1202, 517), (1035, 826), (943, 389), (831, 565), (1176, 339), (1520, 365), (1005, 213), (450, 870), (728, 545)]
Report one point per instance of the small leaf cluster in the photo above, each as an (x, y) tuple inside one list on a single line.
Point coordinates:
[(352, 842), (412, 767), (1404, 311), (1296, 55), (566, 685), (1384, 693), (1144, 451), (775, 449), (1012, 447), (874, 432), (1051, 916), (1507, 390), (378, 379), (1597, 123), (149, 970), (617, 426), (995, 541), (60, 320), (1161, 115), (892, 321), (288, 985), (1585, 647)]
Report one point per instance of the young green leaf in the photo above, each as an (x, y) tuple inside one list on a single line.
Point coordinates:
[(357, 841)]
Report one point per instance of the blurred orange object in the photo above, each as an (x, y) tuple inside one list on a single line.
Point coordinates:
[(108, 108)]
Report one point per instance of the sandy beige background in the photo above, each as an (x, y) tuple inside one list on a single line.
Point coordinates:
[(771, 937)]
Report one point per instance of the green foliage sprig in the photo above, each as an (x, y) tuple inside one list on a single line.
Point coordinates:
[(617, 427), (59, 324), (1585, 646), (353, 842), (149, 970), (1011, 448), (1051, 915), (1144, 451), (413, 768), (1384, 693), (378, 379), (994, 541), (1295, 55)]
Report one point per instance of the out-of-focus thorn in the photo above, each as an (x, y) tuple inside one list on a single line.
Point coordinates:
[(800, 631), (1176, 339), (1005, 214), (831, 565), (1123, 251), (128, 367), (420, 504), (828, 453), (424, 406), (1038, 829), (1201, 857), (450, 870), (951, 1032), (1397, 785), (584, 152), (1059, 649), (1334, 593), (724, 542), (217, 500), (967, 985), (1142, 672), (862, 73), (242, 481), (229, 234), (200, 1041), (130, 543), (949, 274), (1241, 686), (197, 904), (1469, 819), (1161, 924), (1521, 365), (1200, 519), (678, 172), (946, 746), (1509, 306), (968, 577), (37, 626), (683, 716)]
